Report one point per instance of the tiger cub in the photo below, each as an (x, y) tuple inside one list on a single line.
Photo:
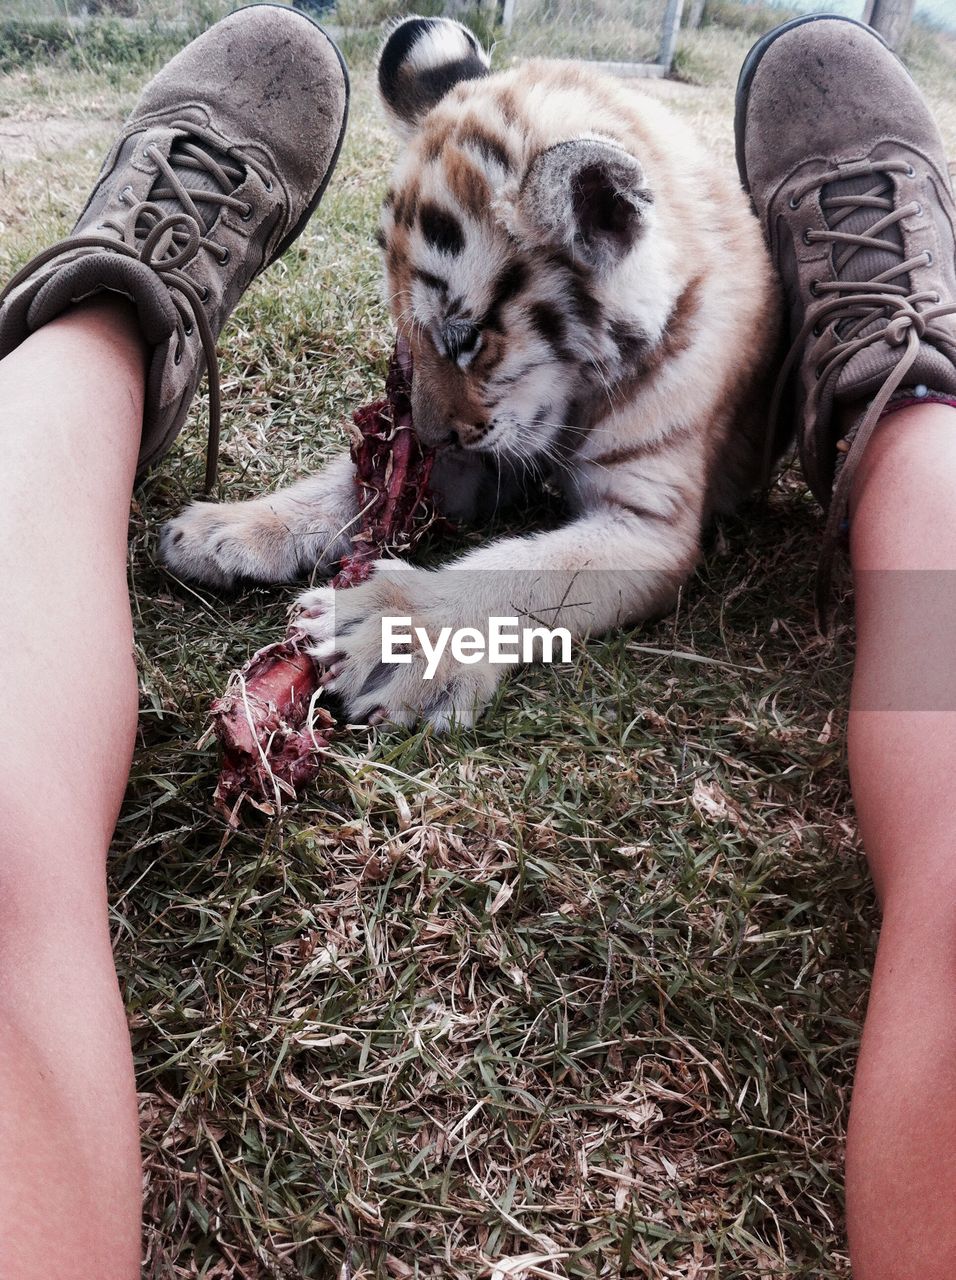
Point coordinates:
[(589, 305)]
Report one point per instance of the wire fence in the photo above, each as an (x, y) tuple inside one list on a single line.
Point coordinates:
[(626, 32), (616, 31)]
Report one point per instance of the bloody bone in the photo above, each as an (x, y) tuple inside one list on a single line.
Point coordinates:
[(268, 722), (270, 729)]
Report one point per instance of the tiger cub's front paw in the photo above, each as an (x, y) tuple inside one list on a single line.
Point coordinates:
[(221, 544), (352, 631)]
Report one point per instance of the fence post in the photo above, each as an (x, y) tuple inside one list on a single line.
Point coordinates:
[(891, 18), (669, 32), (508, 16)]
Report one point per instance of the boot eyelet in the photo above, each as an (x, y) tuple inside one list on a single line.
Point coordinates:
[(188, 329), (806, 236), (246, 213), (224, 257), (910, 171), (815, 288), (817, 330), (269, 184), (918, 211), (818, 373), (928, 255), (204, 294), (794, 203), (178, 357)]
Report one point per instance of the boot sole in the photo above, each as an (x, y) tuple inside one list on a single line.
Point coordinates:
[(300, 226), (752, 62)]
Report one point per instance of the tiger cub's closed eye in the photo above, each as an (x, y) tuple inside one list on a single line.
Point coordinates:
[(460, 340)]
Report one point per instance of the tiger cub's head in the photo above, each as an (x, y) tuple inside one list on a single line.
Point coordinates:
[(512, 217)]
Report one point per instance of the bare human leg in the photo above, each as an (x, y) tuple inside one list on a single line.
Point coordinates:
[(71, 405), (901, 1152), (182, 218), (848, 173)]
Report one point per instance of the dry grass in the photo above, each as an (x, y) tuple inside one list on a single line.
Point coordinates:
[(585, 983)]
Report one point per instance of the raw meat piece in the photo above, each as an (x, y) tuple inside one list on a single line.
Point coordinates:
[(269, 722)]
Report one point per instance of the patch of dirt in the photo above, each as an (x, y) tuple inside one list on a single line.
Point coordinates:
[(22, 139), (668, 90)]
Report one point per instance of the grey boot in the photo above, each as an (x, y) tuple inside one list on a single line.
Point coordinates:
[(847, 172), (217, 171)]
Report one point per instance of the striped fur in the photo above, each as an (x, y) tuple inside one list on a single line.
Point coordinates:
[(574, 363)]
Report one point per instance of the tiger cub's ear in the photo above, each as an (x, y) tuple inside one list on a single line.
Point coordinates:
[(422, 59), (587, 197)]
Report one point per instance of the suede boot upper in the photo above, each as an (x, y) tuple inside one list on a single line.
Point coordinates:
[(216, 172), (847, 171)]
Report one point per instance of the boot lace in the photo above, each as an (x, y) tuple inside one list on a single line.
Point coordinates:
[(864, 312), (167, 242)]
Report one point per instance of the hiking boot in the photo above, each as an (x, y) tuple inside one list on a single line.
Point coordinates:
[(215, 174), (847, 172)]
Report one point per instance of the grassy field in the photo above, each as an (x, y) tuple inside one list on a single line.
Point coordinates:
[(584, 984)]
